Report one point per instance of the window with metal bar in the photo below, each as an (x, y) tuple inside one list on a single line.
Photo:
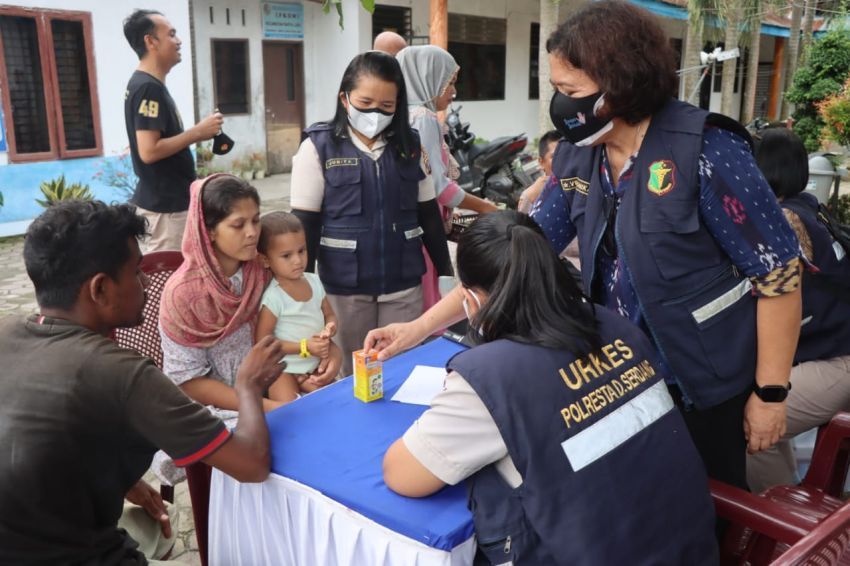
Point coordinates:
[(230, 76), (49, 91), (478, 45)]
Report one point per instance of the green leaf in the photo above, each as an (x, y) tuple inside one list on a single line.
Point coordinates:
[(57, 190), (368, 5), (326, 8)]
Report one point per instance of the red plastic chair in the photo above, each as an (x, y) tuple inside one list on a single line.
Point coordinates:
[(145, 340), (766, 527)]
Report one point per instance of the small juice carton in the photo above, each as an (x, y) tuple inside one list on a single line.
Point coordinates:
[(368, 376)]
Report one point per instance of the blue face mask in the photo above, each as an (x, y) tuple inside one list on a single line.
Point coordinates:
[(577, 118)]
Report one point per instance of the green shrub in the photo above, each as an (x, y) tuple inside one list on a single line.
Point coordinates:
[(826, 69), (57, 190), (834, 110), (841, 209)]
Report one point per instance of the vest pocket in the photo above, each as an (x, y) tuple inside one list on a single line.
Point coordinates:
[(338, 262), (412, 258), (411, 174), (343, 192), (678, 242), (516, 545), (726, 325)]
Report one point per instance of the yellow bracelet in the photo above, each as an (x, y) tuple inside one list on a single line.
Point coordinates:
[(305, 353)]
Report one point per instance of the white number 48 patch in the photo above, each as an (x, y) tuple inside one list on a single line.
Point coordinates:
[(149, 109)]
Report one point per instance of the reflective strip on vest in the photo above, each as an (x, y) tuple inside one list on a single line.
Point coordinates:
[(611, 431), (722, 302), (415, 233), (337, 243)]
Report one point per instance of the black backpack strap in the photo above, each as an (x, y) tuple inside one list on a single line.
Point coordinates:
[(839, 232), (727, 123)]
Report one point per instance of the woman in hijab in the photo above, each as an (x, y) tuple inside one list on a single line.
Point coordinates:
[(210, 305), (430, 73)]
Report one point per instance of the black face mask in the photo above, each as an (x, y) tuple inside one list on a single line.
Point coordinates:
[(576, 118), (222, 144)]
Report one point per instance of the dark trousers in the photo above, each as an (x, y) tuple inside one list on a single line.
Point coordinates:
[(718, 433)]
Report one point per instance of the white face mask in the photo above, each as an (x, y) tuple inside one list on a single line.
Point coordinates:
[(466, 307), (369, 122)]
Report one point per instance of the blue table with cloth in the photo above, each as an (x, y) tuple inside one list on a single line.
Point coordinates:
[(326, 501)]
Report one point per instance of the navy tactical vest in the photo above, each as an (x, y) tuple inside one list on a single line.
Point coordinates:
[(700, 311), (825, 330), (610, 474), (371, 240)]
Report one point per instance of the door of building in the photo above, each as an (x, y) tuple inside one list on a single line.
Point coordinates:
[(283, 74)]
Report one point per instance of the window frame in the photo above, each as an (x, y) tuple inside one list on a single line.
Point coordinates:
[(407, 13), (50, 78), (467, 41), (247, 43)]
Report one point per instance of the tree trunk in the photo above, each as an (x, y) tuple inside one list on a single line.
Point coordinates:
[(791, 55), (693, 47), (748, 110), (730, 66), (548, 23), (808, 24)]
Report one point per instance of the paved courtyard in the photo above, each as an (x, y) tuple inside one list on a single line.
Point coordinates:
[(17, 298)]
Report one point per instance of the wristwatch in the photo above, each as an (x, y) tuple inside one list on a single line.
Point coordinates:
[(772, 393)]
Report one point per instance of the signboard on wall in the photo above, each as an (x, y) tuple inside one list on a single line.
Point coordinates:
[(283, 21), (2, 131)]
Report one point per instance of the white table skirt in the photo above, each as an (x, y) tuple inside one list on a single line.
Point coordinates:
[(281, 522)]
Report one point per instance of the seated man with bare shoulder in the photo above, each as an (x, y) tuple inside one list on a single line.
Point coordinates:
[(82, 417)]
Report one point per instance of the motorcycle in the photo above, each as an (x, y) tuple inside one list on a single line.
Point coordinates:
[(498, 170)]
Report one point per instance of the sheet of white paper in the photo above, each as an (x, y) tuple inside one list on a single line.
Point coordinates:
[(423, 383)]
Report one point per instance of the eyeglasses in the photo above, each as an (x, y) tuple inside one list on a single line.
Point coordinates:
[(609, 237)]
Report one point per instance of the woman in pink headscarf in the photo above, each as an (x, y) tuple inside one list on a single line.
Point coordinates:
[(210, 305)]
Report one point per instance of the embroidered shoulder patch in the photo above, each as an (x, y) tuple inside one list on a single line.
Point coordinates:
[(342, 162), (662, 177), (575, 184)]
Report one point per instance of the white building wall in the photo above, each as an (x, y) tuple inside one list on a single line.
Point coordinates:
[(327, 51), (489, 119), (247, 130), (115, 61)]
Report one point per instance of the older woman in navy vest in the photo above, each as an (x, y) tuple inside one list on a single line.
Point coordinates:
[(678, 231), (559, 417), (821, 372)]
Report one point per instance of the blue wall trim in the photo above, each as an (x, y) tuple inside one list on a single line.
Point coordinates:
[(20, 182)]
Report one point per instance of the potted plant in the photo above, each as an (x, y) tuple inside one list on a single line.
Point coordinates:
[(259, 161), (236, 167), (203, 155), (57, 190)]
